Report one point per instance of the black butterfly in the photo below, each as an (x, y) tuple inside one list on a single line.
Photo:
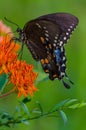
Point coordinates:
[(45, 37)]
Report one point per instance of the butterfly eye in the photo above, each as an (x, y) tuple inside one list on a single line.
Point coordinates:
[(19, 30)]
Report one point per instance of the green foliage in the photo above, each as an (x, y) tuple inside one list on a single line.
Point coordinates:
[(22, 114), (60, 105), (63, 116), (3, 81)]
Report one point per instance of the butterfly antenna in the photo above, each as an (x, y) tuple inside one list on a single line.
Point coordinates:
[(11, 22)]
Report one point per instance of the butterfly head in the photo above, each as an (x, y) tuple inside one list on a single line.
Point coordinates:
[(19, 30), (21, 34)]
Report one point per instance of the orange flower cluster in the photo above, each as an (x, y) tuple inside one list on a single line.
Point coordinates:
[(7, 51), (20, 73), (23, 77)]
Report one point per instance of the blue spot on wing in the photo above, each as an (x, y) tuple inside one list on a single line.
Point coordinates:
[(57, 53)]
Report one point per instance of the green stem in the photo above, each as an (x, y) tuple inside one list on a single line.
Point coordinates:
[(8, 93), (27, 119)]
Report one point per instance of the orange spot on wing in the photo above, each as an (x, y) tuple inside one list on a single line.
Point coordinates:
[(46, 61), (42, 61), (42, 39)]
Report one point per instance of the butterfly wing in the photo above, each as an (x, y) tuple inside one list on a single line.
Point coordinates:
[(40, 37), (66, 22), (45, 37)]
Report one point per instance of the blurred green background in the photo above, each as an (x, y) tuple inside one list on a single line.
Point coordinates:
[(51, 92)]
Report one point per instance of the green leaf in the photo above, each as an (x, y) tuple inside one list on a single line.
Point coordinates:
[(77, 105), (3, 81), (71, 101), (82, 104), (4, 115), (25, 108), (63, 116), (26, 122), (36, 111), (40, 109), (59, 105)]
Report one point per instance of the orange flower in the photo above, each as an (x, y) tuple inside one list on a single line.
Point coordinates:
[(8, 51), (23, 77), (8, 48), (20, 74)]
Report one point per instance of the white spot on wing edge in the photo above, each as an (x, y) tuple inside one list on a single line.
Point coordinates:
[(56, 37), (61, 42), (54, 45), (46, 31), (62, 49), (44, 27), (38, 25), (55, 41), (46, 35), (63, 65), (63, 58), (47, 39), (67, 33), (71, 26), (69, 29), (65, 38), (62, 73)]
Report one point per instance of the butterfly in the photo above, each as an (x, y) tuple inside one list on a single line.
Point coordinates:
[(45, 37)]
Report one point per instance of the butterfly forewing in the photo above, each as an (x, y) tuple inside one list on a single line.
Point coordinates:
[(66, 22), (42, 34)]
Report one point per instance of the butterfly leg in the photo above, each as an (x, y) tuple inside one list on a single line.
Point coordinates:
[(15, 39)]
